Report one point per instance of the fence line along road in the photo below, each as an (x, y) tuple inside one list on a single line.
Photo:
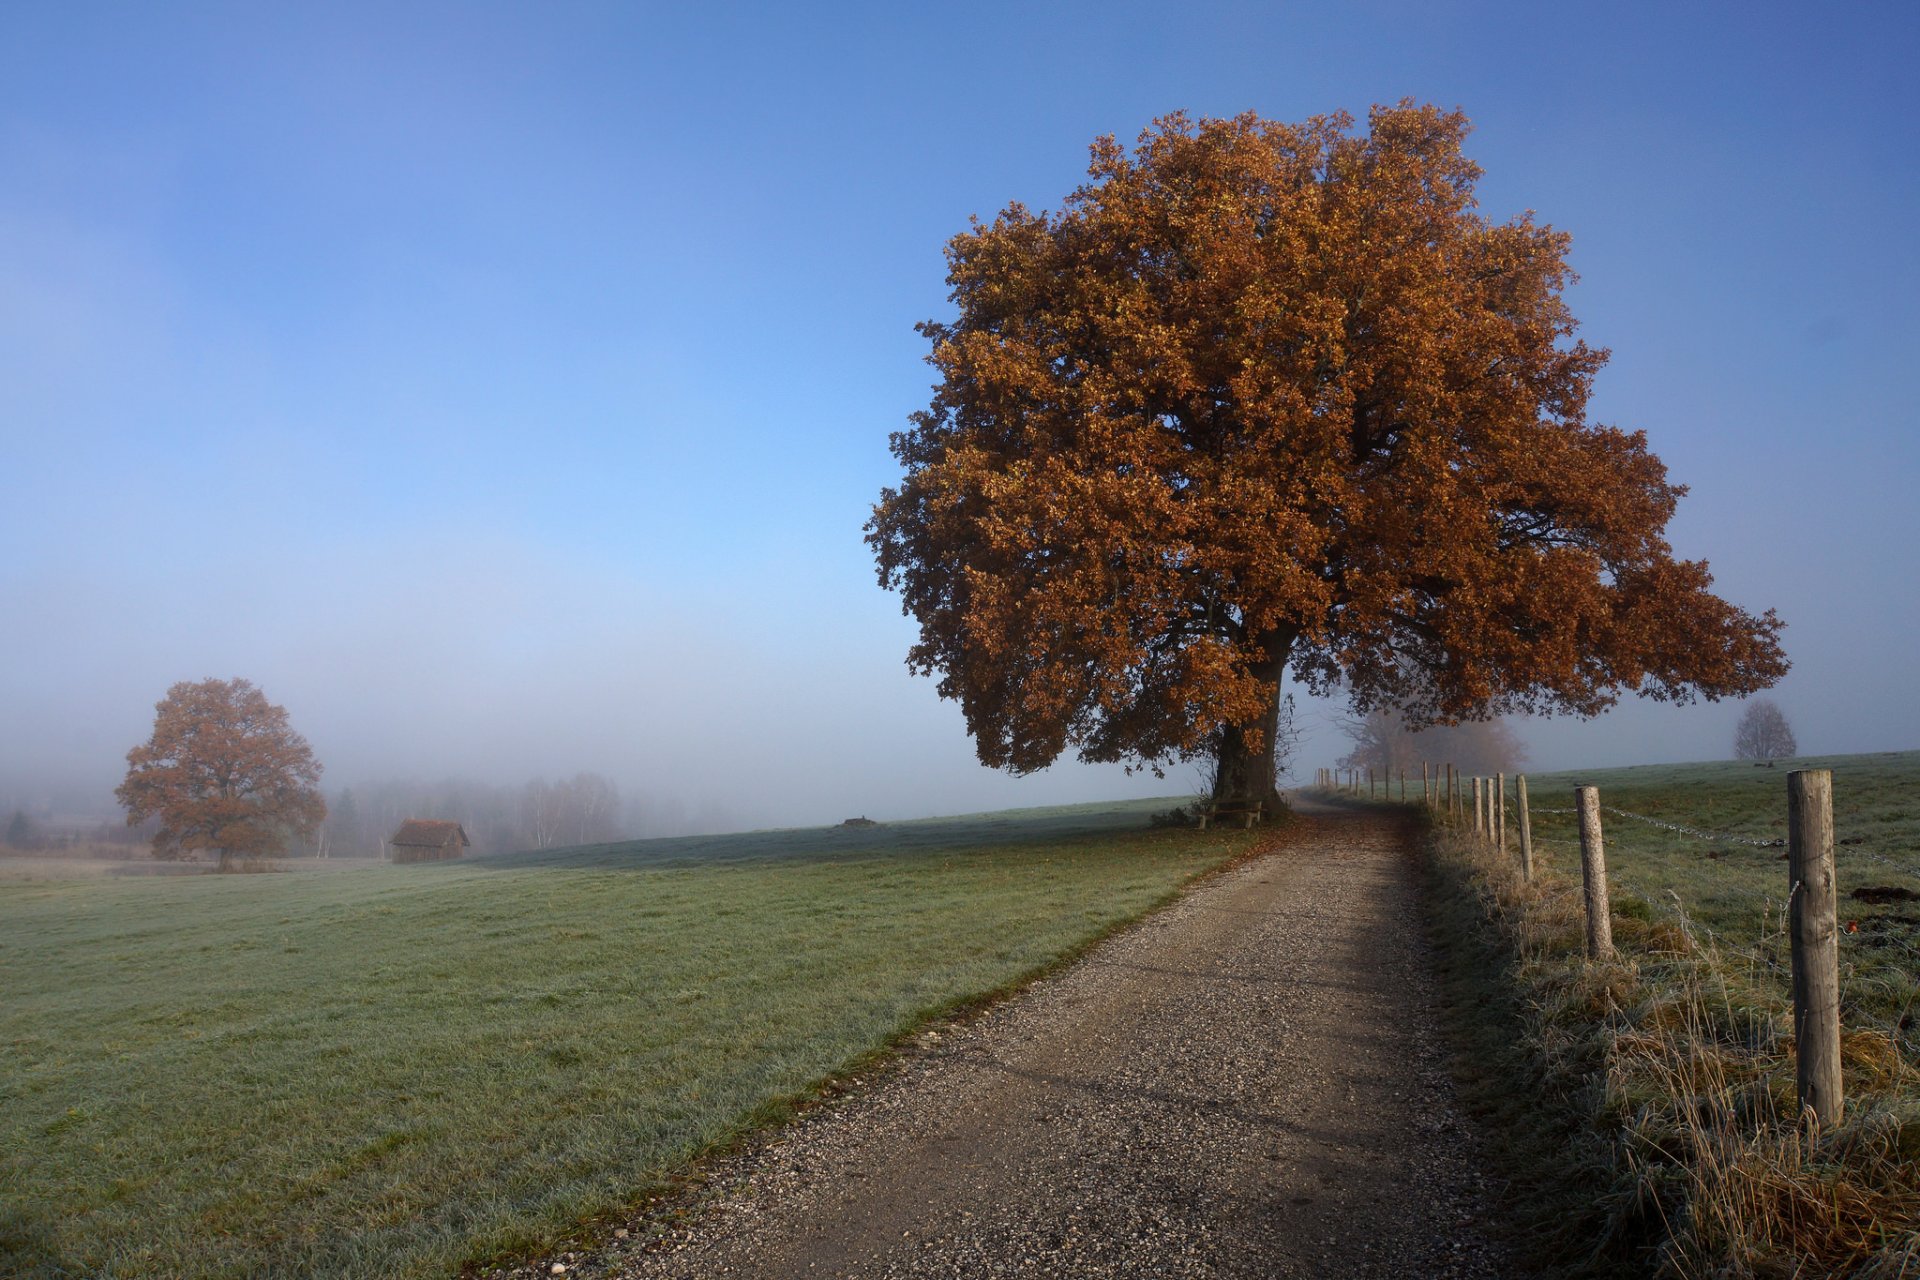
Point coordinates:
[(1813, 930), (1485, 825), (1695, 832), (1724, 838)]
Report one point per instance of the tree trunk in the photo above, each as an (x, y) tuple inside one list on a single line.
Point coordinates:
[(1244, 774)]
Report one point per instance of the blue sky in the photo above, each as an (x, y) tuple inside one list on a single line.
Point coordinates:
[(503, 388)]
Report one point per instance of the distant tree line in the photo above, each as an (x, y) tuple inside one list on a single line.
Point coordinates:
[(24, 832), (1382, 742), (583, 809), (225, 773)]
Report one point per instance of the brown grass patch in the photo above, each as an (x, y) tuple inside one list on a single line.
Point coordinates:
[(1670, 1071)]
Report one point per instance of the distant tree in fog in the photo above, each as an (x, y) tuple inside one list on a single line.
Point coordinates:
[(224, 771), (576, 810), (592, 802), (342, 826), (20, 832), (540, 814), (584, 809), (1763, 733), (1382, 742)]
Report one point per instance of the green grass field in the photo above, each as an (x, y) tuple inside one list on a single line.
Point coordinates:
[(401, 1070), (1738, 892)]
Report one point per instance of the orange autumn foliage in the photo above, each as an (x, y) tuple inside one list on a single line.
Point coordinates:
[(1265, 396), (223, 771)]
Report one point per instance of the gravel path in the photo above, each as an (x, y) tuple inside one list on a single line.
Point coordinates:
[(1249, 1083)]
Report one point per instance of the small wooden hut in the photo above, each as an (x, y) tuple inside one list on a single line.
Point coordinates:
[(423, 840)]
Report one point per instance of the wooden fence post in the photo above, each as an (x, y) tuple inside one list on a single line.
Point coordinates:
[(1815, 934), (1426, 786), (1479, 810), (1500, 812), (1593, 871), (1403, 785), (1526, 831)]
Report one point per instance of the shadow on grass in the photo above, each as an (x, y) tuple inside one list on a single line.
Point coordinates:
[(27, 1247)]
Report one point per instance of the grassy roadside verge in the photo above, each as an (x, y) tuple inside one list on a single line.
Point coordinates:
[(404, 1070), (1645, 1108)]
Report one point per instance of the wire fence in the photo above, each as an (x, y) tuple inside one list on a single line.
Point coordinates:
[(1460, 810), (1434, 793), (1783, 927), (1719, 837), (1724, 837)]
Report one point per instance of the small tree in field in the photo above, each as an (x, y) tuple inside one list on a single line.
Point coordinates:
[(1763, 733), (1265, 398), (224, 772)]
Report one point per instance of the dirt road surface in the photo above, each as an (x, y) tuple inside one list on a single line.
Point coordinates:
[(1249, 1083)]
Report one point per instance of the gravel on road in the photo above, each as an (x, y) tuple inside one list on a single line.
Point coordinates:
[(1251, 1082)]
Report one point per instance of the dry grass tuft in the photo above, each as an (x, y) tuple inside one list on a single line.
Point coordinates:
[(1663, 1081)]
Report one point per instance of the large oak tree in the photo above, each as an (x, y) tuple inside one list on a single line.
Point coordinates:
[(1263, 396), (224, 771)]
